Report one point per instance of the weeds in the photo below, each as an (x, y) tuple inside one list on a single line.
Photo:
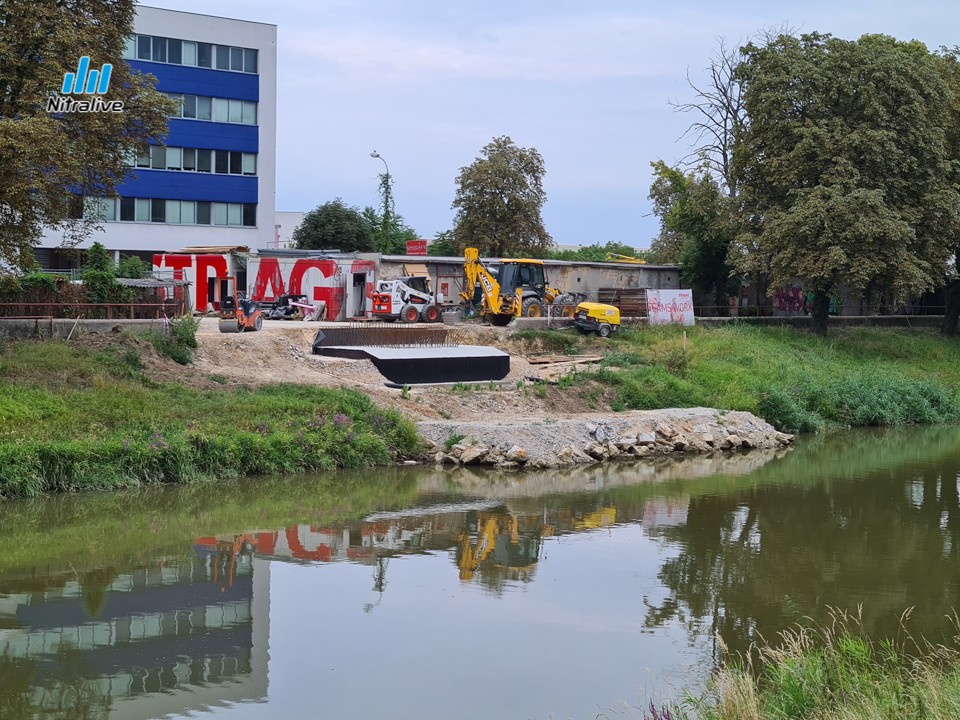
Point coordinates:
[(452, 440), (405, 392)]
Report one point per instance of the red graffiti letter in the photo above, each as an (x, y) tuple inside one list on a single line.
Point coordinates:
[(269, 284), (205, 262)]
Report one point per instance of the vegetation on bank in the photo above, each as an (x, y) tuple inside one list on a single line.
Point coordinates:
[(832, 672), (74, 418), (858, 377)]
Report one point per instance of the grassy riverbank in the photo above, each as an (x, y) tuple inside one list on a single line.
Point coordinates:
[(834, 672), (798, 382), (77, 418)]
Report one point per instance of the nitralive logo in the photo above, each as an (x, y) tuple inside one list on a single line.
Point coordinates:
[(85, 81)]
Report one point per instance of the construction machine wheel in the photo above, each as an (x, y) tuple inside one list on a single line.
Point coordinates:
[(568, 311), (500, 320), (604, 330), (531, 307), (410, 313), (431, 314), (258, 323), (228, 326)]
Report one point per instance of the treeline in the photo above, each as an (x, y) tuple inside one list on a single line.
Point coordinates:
[(832, 162)]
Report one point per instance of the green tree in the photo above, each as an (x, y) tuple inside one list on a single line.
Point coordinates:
[(98, 258), (334, 226), (130, 266), (48, 159), (442, 245), (696, 231), (598, 253), (949, 63), (499, 200), (843, 167)]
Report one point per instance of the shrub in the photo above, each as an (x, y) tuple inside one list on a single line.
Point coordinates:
[(784, 411), (131, 267)]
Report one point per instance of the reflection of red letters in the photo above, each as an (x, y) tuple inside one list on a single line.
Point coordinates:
[(218, 263), (323, 552), (268, 275)]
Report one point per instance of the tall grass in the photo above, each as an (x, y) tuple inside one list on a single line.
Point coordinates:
[(835, 672), (72, 419), (798, 382)]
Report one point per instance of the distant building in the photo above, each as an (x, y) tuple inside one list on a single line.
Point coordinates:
[(214, 180)]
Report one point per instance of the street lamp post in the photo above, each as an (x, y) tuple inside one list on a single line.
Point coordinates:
[(386, 222)]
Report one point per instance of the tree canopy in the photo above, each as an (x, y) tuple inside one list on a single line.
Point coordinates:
[(499, 200), (335, 226), (48, 160), (696, 231), (843, 168)]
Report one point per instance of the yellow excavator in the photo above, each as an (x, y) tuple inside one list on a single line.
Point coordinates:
[(497, 534), (520, 290)]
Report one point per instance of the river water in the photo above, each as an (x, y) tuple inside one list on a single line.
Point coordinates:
[(437, 593)]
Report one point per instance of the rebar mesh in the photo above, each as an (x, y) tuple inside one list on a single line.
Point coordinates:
[(382, 335)]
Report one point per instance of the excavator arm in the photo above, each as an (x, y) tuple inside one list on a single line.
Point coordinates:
[(473, 272)]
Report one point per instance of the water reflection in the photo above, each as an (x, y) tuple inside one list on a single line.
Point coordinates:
[(164, 602)]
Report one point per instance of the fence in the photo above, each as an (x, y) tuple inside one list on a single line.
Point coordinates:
[(94, 311)]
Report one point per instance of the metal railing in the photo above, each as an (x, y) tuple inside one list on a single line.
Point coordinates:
[(93, 311)]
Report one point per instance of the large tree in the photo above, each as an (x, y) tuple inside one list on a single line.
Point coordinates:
[(949, 61), (843, 169), (48, 160), (335, 226), (696, 231), (499, 201)]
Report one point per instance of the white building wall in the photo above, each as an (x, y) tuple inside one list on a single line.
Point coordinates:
[(160, 237)]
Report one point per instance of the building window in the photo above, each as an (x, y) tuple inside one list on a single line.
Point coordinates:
[(169, 212), (224, 162), (191, 53), (197, 107), (100, 209)]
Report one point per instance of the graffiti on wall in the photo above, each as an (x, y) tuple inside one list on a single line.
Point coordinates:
[(321, 280), (790, 299)]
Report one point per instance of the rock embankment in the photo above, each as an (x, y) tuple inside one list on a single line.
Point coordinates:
[(595, 438)]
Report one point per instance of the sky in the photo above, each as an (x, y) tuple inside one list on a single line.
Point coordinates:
[(588, 83)]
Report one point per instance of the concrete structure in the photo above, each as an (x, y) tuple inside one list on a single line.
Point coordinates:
[(213, 183)]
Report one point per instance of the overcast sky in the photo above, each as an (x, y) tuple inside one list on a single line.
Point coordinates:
[(427, 83)]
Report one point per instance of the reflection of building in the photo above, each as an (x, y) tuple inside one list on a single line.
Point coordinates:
[(145, 643)]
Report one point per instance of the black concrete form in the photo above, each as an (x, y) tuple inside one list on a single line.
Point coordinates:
[(412, 366)]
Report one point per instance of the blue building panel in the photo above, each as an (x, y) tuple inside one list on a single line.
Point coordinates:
[(201, 81), (174, 185), (212, 136)]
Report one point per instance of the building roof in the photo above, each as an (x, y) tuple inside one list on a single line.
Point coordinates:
[(453, 259), (210, 249)]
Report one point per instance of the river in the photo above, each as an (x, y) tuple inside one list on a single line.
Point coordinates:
[(440, 593)]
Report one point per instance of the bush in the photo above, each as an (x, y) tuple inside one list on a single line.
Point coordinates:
[(179, 341), (132, 267), (784, 411)]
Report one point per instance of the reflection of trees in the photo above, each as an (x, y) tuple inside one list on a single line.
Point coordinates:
[(756, 560), (95, 584), (68, 695)]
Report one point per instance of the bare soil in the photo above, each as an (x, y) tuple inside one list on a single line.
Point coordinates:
[(281, 353)]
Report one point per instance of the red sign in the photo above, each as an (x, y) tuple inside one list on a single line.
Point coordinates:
[(416, 247)]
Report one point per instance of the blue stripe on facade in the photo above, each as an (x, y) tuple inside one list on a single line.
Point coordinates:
[(174, 185), (212, 136), (201, 81)]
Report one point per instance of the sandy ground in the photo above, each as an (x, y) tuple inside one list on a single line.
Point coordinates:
[(281, 352)]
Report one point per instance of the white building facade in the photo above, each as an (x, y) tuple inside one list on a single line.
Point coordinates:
[(213, 182)]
